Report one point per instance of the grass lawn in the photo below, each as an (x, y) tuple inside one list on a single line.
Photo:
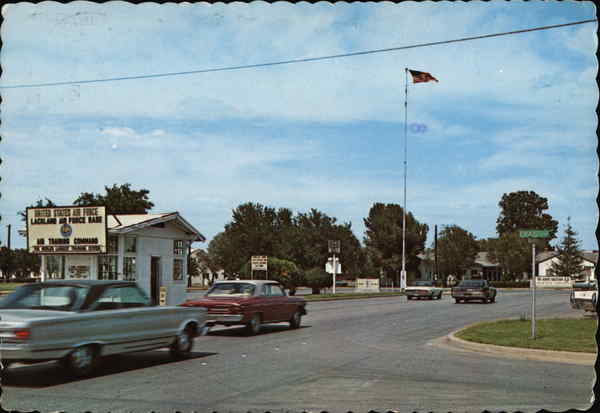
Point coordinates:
[(9, 287), (346, 296), (551, 334)]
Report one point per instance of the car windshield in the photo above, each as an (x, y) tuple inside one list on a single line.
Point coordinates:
[(46, 297), (423, 284), (471, 283), (231, 290)]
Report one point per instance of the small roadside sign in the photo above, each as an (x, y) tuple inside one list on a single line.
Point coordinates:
[(534, 233), (259, 262), (163, 296)]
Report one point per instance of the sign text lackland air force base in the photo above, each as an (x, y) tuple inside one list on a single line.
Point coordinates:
[(66, 230)]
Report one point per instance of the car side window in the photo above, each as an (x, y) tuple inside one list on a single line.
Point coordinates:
[(266, 290), (114, 298), (276, 290)]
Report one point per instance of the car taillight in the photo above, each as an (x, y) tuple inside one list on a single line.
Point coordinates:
[(22, 334)]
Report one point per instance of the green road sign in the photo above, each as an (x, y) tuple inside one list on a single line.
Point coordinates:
[(534, 233)]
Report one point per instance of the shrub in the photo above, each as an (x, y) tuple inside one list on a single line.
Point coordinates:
[(317, 278), (510, 284)]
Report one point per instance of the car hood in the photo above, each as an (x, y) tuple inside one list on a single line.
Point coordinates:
[(25, 315), (419, 287)]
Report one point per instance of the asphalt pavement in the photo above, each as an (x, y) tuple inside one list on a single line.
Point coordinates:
[(351, 355)]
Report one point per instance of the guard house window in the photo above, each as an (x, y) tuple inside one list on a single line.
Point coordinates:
[(55, 266), (177, 269), (130, 244), (107, 264), (129, 269), (112, 245), (107, 267), (178, 247)]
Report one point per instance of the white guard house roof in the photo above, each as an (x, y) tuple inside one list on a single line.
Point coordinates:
[(122, 224)]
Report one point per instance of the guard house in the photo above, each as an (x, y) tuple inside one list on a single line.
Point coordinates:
[(151, 249)]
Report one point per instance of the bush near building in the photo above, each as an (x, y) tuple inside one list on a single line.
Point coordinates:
[(510, 284)]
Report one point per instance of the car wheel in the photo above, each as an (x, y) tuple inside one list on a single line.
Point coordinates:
[(408, 297), (296, 320), (82, 361), (457, 300), (493, 299), (254, 326), (439, 296), (183, 344)]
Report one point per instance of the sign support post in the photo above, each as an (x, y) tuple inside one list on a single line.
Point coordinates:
[(533, 236), (259, 262), (333, 247)]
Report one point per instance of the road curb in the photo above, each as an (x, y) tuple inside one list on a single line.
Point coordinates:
[(569, 357)]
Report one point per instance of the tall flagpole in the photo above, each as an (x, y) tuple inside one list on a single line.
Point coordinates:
[(403, 272)]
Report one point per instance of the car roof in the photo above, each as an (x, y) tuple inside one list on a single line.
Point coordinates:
[(256, 282), (87, 283)]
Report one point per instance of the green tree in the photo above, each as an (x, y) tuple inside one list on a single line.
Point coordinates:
[(524, 210), (118, 200), (26, 263), (7, 262), (285, 272), (316, 229), (570, 260), (512, 253), (317, 278), (40, 203), (457, 250), (383, 238), (222, 253)]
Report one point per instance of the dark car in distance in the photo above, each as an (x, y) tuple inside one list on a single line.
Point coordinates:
[(468, 290)]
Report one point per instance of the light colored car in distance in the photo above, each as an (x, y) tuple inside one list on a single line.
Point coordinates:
[(584, 296), (251, 303), (79, 321), (423, 289)]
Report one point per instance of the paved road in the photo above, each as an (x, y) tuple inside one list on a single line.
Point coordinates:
[(350, 355)]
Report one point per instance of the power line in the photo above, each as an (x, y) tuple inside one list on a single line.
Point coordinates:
[(292, 61)]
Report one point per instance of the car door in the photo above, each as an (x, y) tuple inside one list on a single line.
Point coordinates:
[(281, 307), (267, 305), (127, 321)]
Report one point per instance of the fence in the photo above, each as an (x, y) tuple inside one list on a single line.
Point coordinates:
[(557, 282)]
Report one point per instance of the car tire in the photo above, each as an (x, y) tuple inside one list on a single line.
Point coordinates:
[(493, 299), (439, 297), (457, 300), (82, 361), (296, 319), (254, 325), (183, 344), (408, 297)]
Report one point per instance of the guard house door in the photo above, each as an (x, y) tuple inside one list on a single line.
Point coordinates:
[(155, 279)]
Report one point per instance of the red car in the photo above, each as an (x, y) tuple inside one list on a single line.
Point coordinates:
[(251, 303)]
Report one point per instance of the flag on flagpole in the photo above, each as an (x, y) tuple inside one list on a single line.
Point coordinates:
[(419, 77)]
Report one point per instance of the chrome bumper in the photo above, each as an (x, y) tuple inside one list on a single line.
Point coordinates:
[(224, 319)]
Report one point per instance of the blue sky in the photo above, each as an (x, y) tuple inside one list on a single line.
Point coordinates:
[(509, 113)]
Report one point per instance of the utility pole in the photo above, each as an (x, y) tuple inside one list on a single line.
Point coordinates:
[(437, 273), (8, 237)]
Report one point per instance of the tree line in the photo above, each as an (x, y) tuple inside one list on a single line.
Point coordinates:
[(297, 243)]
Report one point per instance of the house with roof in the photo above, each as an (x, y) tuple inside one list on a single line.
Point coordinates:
[(206, 273), (545, 259), (151, 249), (483, 267)]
